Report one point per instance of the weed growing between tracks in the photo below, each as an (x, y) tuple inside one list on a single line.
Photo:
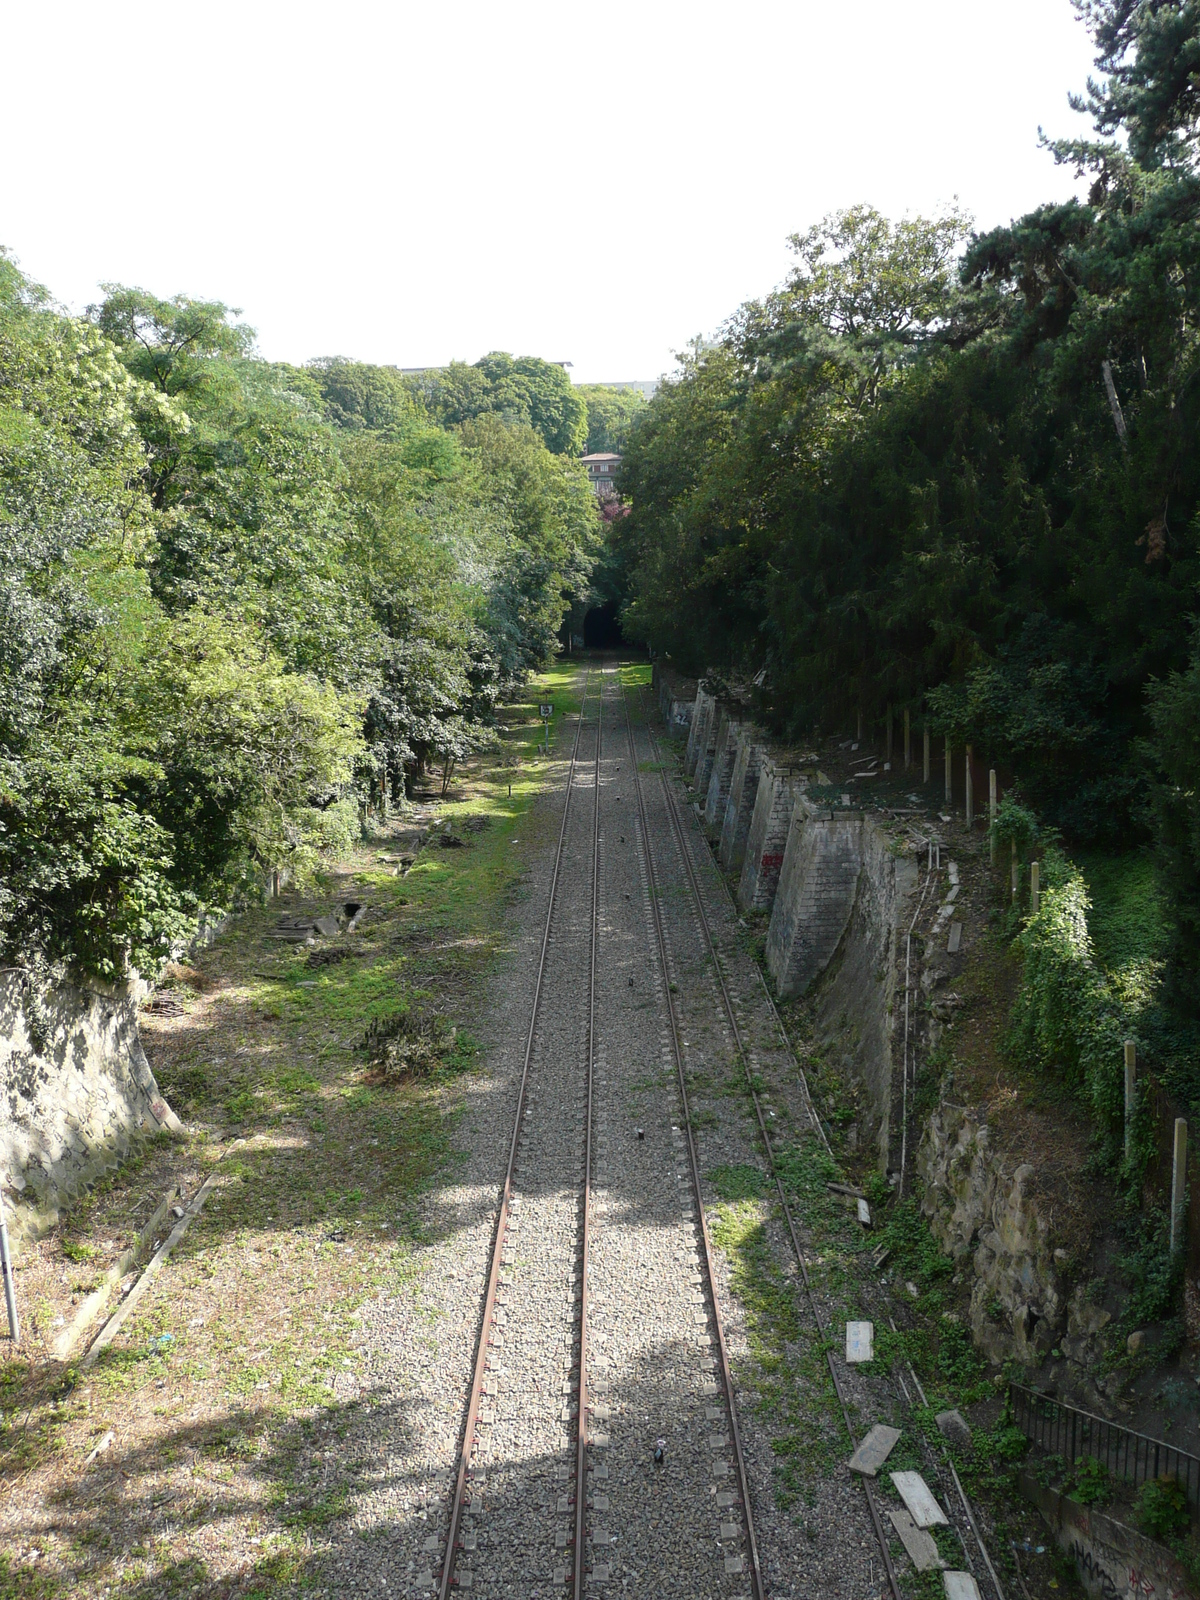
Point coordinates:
[(235, 1393)]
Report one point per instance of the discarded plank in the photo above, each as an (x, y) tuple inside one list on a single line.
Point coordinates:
[(874, 1450), (115, 1323), (105, 1442), (955, 940), (920, 1546), (845, 1188), (960, 1586), (864, 1213), (90, 1308), (860, 1341), (923, 1508)]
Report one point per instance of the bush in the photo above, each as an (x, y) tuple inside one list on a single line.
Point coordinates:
[(1161, 1508), (410, 1044), (1091, 1482), (1067, 1018)]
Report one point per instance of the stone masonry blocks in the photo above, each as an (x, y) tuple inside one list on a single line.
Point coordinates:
[(724, 757), (706, 754), (817, 886), (702, 717), (766, 837), (743, 788)]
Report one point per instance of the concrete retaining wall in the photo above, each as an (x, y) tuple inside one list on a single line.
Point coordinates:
[(76, 1092), (860, 1007), (700, 731), (743, 789), (1111, 1558), (766, 837), (818, 882), (676, 698), (720, 778), (706, 750)]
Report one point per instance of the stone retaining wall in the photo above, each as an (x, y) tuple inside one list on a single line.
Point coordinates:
[(76, 1092)]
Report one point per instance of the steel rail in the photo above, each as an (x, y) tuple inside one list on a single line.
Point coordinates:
[(731, 1016), (816, 1121), (581, 1431), (489, 1300), (726, 1373)]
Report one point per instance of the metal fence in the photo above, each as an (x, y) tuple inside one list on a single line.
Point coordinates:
[(1065, 1431)]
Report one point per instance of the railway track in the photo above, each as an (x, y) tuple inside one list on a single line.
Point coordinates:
[(733, 1007), (600, 1442), (602, 1449)]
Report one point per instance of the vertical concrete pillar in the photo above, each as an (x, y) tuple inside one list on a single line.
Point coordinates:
[(704, 763), (1130, 1092), (719, 779), (698, 737), (970, 791), (949, 777), (907, 739), (1035, 888), (1016, 872), (992, 808), (743, 791), (1178, 1183), (766, 838), (858, 734), (817, 886), (925, 764)]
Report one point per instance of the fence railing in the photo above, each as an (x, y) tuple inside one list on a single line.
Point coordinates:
[(1063, 1430)]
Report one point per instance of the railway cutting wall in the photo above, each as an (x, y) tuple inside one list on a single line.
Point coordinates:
[(77, 1092), (844, 891)]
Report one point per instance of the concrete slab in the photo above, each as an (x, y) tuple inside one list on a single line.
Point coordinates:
[(860, 1341), (960, 1586), (874, 1450), (915, 1492), (920, 1546)]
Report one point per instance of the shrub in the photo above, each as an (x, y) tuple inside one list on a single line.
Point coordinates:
[(410, 1044), (1091, 1483), (1161, 1508), (1067, 1018)]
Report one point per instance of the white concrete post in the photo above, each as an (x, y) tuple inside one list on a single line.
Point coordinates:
[(1178, 1182), (1016, 872), (949, 781), (1035, 887), (925, 764), (907, 740), (1130, 1091), (858, 735), (970, 795), (888, 757), (992, 807)]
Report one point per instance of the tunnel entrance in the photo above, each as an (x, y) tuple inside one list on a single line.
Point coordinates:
[(602, 628)]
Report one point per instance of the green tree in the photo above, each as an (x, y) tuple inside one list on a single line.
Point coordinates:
[(524, 391), (611, 414)]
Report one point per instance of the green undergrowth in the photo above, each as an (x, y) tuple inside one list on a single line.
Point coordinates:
[(787, 1374)]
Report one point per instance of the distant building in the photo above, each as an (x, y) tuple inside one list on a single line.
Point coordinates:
[(647, 386), (602, 472)]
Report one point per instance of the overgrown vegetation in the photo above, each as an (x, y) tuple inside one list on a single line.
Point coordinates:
[(955, 471), (242, 604)]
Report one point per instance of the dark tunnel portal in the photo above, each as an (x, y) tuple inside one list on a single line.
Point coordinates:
[(602, 628)]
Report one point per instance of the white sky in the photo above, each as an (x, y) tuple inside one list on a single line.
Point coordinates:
[(410, 182)]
